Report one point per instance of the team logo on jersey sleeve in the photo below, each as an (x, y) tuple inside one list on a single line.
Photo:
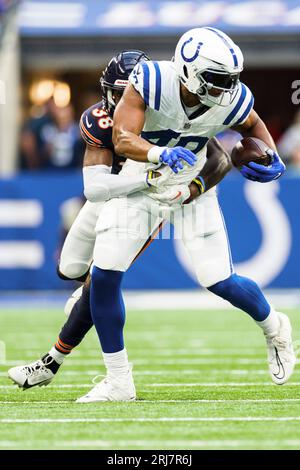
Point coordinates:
[(190, 59), (136, 72)]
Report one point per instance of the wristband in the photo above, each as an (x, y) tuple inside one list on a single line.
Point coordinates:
[(199, 181), (154, 154)]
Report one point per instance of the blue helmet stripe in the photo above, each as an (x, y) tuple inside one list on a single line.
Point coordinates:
[(246, 112), (157, 86), (237, 106), (146, 83), (235, 61)]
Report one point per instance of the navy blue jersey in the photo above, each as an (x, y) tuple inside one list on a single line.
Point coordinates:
[(96, 130)]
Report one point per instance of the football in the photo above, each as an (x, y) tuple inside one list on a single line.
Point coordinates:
[(250, 149)]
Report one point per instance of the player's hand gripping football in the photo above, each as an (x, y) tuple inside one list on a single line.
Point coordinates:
[(263, 174), (173, 157)]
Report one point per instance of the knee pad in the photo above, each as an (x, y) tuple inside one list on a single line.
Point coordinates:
[(73, 273)]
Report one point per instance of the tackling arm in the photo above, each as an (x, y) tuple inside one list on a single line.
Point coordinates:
[(99, 183)]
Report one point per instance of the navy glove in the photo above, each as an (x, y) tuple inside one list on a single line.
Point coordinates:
[(263, 174), (173, 157)]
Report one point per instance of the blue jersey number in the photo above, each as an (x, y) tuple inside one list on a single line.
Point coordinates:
[(172, 139)]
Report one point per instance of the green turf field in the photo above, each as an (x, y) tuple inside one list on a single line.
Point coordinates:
[(201, 379)]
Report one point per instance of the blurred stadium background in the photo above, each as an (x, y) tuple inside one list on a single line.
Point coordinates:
[(51, 57), (201, 377)]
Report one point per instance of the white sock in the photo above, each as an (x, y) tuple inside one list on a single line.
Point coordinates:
[(57, 356), (116, 363), (271, 324)]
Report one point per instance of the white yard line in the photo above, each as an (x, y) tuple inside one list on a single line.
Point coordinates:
[(158, 361), (186, 444), (150, 420), (76, 373), (179, 385), (141, 402), (200, 361), (216, 384), (195, 350), (196, 372), (49, 402)]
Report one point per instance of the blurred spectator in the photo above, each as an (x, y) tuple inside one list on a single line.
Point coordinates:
[(88, 98), (3, 8), (32, 145), (5, 4), (52, 140), (275, 126), (289, 143)]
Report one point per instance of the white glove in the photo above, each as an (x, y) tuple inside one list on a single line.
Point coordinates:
[(172, 196)]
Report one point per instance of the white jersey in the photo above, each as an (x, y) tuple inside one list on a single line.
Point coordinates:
[(166, 122)]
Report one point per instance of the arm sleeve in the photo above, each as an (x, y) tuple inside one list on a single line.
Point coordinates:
[(100, 185)]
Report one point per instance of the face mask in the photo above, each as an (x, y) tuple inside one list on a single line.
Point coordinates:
[(226, 84)]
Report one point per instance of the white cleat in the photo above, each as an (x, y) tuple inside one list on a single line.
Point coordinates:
[(112, 388), (281, 355), (31, 375)]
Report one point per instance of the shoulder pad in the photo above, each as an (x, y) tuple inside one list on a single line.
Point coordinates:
[(96, 127), (240, 108), (146, 79)]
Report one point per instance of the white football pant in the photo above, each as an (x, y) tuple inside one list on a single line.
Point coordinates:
[(125, 225), (77, 252)]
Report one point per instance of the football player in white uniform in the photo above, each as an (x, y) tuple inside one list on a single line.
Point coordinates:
[(101, 182), (165, 118)]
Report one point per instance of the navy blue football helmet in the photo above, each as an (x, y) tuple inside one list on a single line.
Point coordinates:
[(115, 76)]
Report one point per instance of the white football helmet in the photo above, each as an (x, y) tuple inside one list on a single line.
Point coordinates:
[(209, 63)]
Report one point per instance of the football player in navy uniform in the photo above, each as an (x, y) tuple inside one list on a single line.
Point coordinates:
[(102, 181)]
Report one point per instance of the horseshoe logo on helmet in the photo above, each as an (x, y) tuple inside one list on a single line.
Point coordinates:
[(190, 59)]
